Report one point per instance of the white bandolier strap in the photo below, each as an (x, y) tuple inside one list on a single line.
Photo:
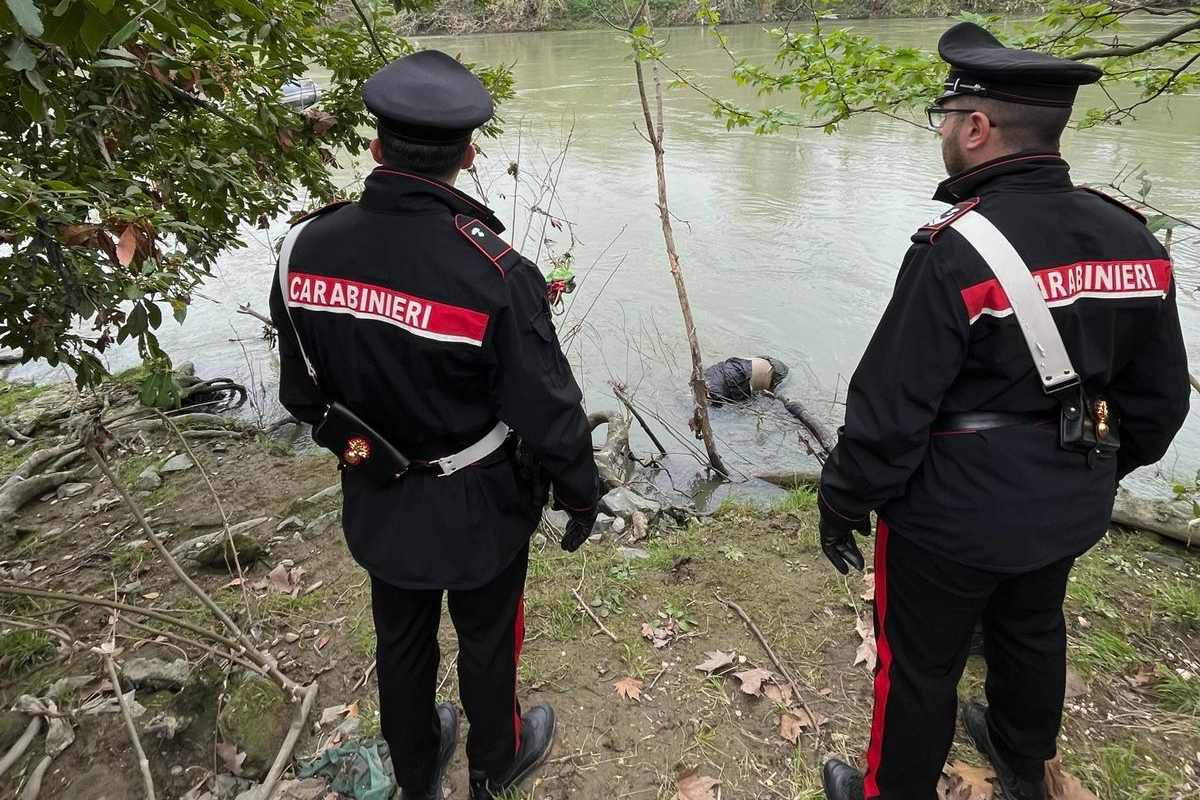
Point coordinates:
[(448, 465), (476, 452), (285, 258), (1028, 305)]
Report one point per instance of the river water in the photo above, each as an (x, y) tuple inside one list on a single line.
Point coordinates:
[(789, 243)]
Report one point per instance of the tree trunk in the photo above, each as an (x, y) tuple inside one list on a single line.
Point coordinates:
[(700, 422)]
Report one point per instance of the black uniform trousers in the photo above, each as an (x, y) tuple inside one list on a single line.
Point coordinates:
[(490, 623), (926, 608)]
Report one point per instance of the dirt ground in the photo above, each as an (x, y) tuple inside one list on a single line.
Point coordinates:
[(1131, 730)]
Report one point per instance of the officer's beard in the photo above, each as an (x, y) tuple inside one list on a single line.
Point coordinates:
[(953, 155)]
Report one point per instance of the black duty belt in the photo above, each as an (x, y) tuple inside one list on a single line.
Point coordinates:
[(989, 420), (432, 467)]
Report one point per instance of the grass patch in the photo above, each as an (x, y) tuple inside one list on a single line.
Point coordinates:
[(801, 499), (1177, 693), (1117, 772), (1103, 651), (13, 395), (21, 651), (1179, 602)]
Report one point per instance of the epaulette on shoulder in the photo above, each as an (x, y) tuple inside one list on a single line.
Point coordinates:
[(928, 232), (1128, 209), (317, 212), (497, 251)]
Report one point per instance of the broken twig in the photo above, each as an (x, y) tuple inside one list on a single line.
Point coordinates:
[(592, 614), (143, 762)]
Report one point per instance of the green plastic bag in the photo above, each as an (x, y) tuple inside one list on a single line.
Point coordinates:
[(354, 770)]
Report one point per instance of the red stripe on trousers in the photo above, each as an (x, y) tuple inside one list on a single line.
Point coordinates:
[(883, 668), (518, 643)]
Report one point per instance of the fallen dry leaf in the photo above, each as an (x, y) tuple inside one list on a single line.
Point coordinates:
[(322, 642), (790, 728), (151, 596), (1142, 678), (281, 579), (793, 723), (1062, 785), (868, 582), (691, 785), (866, 653), (781, 695), (961, 781), (230, 757), (659, 637), (716, 660), (752, 680), (629, 689)]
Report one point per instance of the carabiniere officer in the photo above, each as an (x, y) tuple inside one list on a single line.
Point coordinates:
[(429, 330), (990, 474)]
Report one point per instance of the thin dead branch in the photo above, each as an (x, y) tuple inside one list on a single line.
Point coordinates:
[(143, 762), (587, 610), (284, 757)]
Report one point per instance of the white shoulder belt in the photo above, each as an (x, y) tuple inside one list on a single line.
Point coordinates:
[(1028, 305)]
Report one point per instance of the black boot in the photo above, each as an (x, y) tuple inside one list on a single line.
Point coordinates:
[(448, 718), (1010, 786), (537, 736), (841, 781)]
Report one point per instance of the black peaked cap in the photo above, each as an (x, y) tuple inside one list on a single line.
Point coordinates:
[(429, 98), (983, 67)]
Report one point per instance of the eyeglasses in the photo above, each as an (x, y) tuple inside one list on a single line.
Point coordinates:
[(937, 115)]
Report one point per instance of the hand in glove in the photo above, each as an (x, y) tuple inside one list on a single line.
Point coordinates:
[(837, 538), (579, 528)]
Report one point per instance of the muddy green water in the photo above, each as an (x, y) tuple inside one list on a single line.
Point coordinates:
[(790, 243)]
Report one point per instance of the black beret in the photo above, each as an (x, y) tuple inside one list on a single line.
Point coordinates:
[(429, 98), (981, 66)]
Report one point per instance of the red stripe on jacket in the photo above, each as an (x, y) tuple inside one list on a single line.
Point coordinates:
[(1063, 285)]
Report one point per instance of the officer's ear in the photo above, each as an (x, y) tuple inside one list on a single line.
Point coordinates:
[(377, 150), (978, 131), (468, 157)]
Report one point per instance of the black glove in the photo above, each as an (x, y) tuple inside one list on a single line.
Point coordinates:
[(837, 537), (579, 528)]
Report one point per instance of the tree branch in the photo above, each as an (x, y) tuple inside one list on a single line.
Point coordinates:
[(1133, 50)]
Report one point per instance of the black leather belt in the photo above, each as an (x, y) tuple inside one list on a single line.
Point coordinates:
[(989, 420)]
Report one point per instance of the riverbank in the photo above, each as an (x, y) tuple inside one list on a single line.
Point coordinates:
[(511, 16), (659, 674)]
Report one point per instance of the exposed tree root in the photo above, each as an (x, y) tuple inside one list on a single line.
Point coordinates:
[(614, 456), (1170, 518), (143, 762), (799, 479), (16, 494), (18, 749), (33, 787)]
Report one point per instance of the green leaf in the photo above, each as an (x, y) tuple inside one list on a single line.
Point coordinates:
[(35, 80), (127, 30), (94, 30), (118, 63), (180, 310), (154, 313), (27, 16), (31, 99), (1160, 222), (20, 57), (104, 6)]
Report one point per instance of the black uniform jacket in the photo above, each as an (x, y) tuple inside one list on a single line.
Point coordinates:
[(422, 321), (1009, 499)]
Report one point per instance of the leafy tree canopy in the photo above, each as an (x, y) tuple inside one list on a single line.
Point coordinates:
[(833, 72), (140, 137)]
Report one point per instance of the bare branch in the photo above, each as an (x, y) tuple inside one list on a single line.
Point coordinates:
[(1133, 50)]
